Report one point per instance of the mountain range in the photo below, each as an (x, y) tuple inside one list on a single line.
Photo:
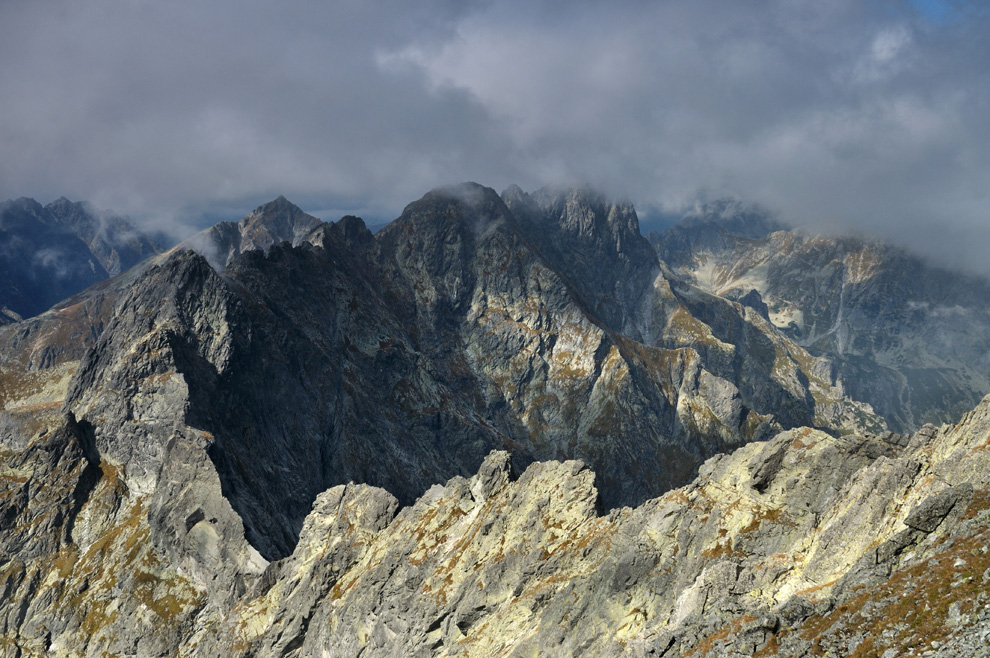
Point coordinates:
[(238, 445), (48, 253), (905, 336)]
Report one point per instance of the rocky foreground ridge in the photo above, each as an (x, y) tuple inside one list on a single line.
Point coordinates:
[(179, 446), (806, 544)]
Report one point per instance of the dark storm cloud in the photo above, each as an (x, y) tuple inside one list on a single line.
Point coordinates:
[(844, 113), (143, 105)]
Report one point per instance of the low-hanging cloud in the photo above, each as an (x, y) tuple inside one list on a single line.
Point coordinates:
[(847, 114)]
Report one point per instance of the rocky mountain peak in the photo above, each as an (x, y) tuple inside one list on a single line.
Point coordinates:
[(591, 225), (353, 229), (267, 225), (593, 242), (348, 233), (67, 211), (115, 240), (452, 217), (277, 206), (513, 191), (273, 222), (17, 212), (480, 202), (213, 421), (435, 245), (588, 213)]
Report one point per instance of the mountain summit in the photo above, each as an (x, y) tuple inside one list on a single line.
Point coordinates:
[(269, 224)]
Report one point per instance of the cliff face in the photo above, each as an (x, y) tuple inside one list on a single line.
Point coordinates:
[(186, 484), (582, 346), (453, 332), (802, 544)]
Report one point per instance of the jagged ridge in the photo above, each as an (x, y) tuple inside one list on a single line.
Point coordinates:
[(214, 408), (451, 333)]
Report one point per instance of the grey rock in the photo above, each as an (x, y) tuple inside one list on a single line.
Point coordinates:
[(266, 226), (927, 516), (904, 336), (216, 483)]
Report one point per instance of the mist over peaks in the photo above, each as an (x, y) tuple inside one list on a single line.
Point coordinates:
[(866, 115)]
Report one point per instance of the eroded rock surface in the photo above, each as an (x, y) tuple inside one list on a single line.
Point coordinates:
[(731, 564), (243, 460), (803, 543), (461, 328)]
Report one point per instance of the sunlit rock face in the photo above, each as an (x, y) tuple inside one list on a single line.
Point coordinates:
[(801, 544), (807, 543), (904, 336), (476, 432)]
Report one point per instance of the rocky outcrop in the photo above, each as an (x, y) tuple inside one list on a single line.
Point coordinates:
[(595, 246), (245, 461), (453, 332), (768, 550), (807, 543), (267, 225)]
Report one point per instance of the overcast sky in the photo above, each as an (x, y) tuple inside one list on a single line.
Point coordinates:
[(868, 113)]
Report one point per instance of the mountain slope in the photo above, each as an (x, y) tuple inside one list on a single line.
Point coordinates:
[(115, 241), (907, 337), (59, 337), (448, 334), (186, 487), (267, 225), (50, 253), (746, 558)]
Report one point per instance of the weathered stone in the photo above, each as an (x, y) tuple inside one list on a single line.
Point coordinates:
[(201, 498), (927, 516)]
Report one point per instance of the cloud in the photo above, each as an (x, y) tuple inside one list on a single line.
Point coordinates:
[(149, 106), (856, 114), (57, 263)]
